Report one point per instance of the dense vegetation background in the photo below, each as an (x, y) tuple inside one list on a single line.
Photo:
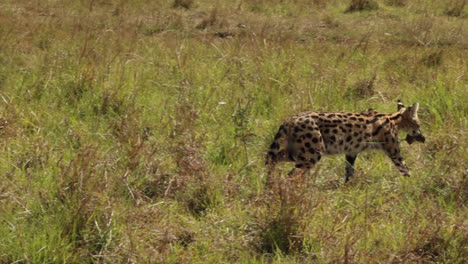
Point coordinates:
[(135, 131)]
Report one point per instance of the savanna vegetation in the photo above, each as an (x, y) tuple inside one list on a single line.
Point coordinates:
[(136, 131)]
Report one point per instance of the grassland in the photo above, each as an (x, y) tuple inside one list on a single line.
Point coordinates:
[(135, 131)]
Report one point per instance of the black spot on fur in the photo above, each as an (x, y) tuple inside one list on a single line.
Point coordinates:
[(315, 140), (272, 156), (380, 127), (372, 121)]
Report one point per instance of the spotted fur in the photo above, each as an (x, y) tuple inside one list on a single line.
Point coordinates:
[(304, 138)]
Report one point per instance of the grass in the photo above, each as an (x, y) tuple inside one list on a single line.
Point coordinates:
[(135, 132)]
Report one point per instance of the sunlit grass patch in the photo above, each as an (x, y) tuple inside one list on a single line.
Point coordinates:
[(136, 131)]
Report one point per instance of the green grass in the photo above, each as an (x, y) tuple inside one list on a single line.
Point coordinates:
[(136, 131)]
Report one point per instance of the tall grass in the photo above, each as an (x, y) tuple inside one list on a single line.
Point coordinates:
[(136, 131)]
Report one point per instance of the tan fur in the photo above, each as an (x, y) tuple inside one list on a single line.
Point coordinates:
[(304, 138)]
